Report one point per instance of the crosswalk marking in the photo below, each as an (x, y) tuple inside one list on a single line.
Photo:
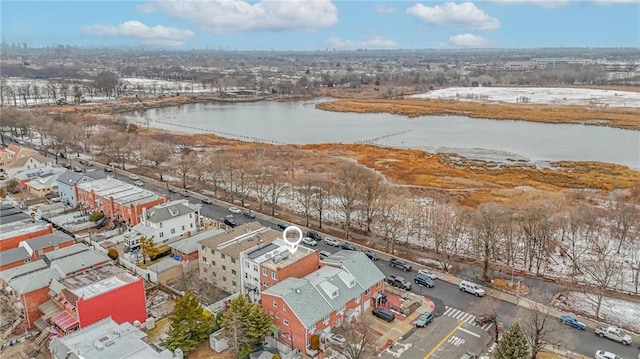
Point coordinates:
[(463, 316)]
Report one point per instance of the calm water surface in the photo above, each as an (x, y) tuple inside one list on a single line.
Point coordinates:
[(302, 123)]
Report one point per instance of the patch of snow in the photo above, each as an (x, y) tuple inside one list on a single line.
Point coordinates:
[(537, 95), (613, 311)]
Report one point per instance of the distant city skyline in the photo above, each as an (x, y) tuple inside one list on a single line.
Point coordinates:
[(309, 25)]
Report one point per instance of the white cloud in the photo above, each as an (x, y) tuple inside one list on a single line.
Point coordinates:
[(156, 35), (384, 9), (463, 15), (373, 42), (552, 4), (229, 16), (469, 40)]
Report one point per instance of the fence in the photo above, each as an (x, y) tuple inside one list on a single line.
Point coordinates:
[(149, 275)]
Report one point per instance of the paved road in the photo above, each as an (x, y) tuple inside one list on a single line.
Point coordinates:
[(444, 295)]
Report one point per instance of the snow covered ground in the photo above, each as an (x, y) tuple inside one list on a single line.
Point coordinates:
[(613, 311), (537, 95)]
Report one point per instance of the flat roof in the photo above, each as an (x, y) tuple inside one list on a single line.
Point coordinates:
[(97, 281), (260, 251), (25, 226), (9, 214), (122, 193), (287, 258), (241, 238)]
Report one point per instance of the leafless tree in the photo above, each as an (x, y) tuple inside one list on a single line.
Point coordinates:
[(360, 338), (304, 194), (214, 166), (243, 180), (602, 270), (539, 327), (576, 229), (185, 165), (623, 217), (444, 225), (320, 199), (276, 185), (391, 221), (372, 188), (538, 233), (346, 188), (158, 153), (486, 225)]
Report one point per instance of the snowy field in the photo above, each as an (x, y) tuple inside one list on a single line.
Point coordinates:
[(537, 95), (613, 311)]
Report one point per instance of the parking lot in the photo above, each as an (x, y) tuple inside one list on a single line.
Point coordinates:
[(447, 337)]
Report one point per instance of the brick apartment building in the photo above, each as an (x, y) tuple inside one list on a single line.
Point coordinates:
[(12, 233), (322, 300), (118, 200)]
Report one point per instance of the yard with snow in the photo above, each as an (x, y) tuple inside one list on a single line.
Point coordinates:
[(613, 311), (537, 95)]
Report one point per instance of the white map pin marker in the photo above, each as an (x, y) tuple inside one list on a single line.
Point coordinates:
[(293, 246)]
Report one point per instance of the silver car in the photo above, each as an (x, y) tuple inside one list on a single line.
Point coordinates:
[(309, 242), (332, 242)]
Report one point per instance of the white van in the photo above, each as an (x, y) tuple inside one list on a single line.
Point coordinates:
[(472, 288)]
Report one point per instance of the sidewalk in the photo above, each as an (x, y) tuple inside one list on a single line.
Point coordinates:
[(400, 328)]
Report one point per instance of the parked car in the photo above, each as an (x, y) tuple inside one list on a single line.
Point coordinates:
[(309, 242), (384, 314), (207, 200), (401, 264), (249, 214), (108, 169), (423, 280), (172, 190), (371, 255), (614, 333), (66, 165), (133, 177), (138, 183), (185, 193), (314, 235), (324, 254), (572, 322), (77, 169), (469, 355), (424, 319), (84, 162), (428, 273), (283, 225), (235, 210), (337, 339), (472, 288), (230, 222), (399, 282), (601, 354), (332, 242), (348, 246)]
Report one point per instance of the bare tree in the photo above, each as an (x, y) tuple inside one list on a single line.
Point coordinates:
[(601, 270), (540, 327), (158, 153), (320, 199), (360, 338), (391, 221), (346, 187), (185, 165), (575, 231), (372, 188), (276, 186), (304, 192), (623, 217), (214, 167), (538, 232), (486, 221)]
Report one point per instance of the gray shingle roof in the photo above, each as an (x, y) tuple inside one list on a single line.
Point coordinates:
[(359, 265), (66, 251), (13, 255), (48, 240), (302, 298), (163, 212), (70, 178), (329, 279)]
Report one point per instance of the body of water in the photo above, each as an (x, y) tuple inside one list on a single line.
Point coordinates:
[(494, 140)]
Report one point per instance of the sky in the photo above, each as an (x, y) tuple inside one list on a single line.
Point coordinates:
[(308, 25)]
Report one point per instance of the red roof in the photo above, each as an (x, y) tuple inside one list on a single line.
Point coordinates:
[(64, 321)]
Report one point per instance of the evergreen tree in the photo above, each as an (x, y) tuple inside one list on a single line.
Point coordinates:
[(190, 324), (513, 345), (246, 324)]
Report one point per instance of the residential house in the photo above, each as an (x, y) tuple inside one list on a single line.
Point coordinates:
[(46, 183), (36, 247), (11, 153), (272, 263), (12, 233), (322, 300), (29, 283), (28, 162), (29, 175), (88, 297), (105, 339), (13, 257), (219, 255), (186, 250), (164, 224), (10, 214), (118, 200), (67, 190)]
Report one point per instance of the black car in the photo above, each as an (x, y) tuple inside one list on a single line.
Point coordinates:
[(230, 222), (66, 165), (206, 200), (249, 214), (371, 255), (172, 190), (283, 226), (348, 246), (423, 280), (400, 264), (108, 169), (314, 235)]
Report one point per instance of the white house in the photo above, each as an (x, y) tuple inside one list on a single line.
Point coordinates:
[(30, 163), (163, 224)]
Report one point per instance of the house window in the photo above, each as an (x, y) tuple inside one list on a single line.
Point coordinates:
[(213, 263), (246, 276), (212, 251), (274, 276), (233, 260), (325, 320), (338, 322), (190, 215), (341, 308), (160, 224), (233, 283), (183, 228), (204, 269), (233, 271), (224, 267), (286, 322), (224, 279), (247, 263), (277, 315), (271, 314), (255, 268), (204, 259), (264, 271), (275, 304), (222, 255), (173, 231), (191, 225), (378, 284), (358, 300), (161, 234), (366, 292)]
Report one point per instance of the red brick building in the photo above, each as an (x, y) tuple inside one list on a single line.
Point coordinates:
[(11, 234), (118, 200), (89, 297), (322, 300)]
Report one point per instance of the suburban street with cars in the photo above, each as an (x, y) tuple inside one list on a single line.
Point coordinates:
[(452, 331)]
